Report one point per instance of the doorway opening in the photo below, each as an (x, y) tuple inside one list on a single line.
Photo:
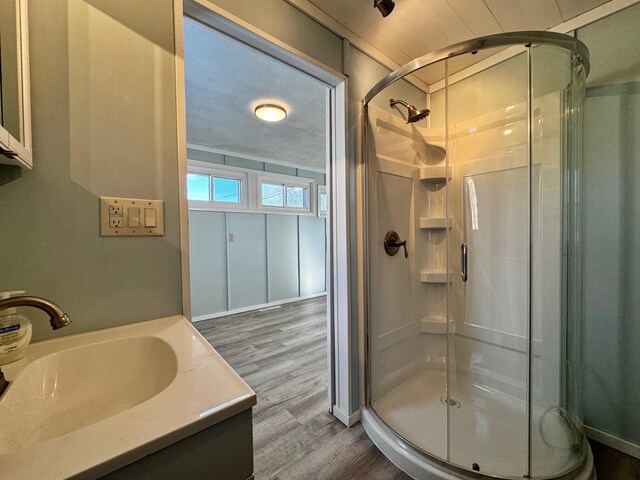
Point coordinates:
[(256, 188), (260, 200)]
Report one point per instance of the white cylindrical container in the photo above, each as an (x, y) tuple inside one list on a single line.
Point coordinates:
[(15, 332)]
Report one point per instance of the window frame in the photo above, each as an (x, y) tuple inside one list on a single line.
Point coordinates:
[(322, 190), (224, 172), (251, 189), (286, 181), (199, 174)]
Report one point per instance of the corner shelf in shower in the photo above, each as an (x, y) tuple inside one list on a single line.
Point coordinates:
[(435, 276), (436, 324), (435, 223), (436, 173)]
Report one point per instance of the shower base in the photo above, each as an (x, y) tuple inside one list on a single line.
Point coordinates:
[(488, 429)]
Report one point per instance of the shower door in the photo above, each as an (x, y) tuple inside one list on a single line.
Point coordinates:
[(506, 414), (488, 415), (489, 255)]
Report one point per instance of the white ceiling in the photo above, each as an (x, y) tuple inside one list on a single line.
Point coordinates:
[(225, 80), (417, 27)]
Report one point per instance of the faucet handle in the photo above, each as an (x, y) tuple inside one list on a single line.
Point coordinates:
[(392, 244)]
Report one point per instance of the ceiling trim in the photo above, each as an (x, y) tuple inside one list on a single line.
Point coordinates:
[(354, 39), (580, 21), (246, 156)]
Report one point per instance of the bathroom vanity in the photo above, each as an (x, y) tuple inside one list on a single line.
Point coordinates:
[(146, 400)]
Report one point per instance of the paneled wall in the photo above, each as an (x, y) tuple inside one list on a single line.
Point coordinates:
[(612, 229), (241, 260)]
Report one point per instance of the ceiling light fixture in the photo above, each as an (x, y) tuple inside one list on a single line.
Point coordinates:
[(270, 112), (385, 6)]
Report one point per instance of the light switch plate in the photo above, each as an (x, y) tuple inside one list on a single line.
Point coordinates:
[(114, 221)]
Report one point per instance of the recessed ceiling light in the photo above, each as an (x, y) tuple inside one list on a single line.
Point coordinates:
[(270, 112)]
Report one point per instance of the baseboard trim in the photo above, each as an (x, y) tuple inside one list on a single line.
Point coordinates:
[(209, 316), (348, 420), (612, 441)]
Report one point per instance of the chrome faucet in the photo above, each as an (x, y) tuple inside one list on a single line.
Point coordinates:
[(57, 318)]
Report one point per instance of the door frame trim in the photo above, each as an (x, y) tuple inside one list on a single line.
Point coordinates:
[(339, 335)]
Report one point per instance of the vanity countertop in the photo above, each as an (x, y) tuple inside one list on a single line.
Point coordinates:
[(204, 391)]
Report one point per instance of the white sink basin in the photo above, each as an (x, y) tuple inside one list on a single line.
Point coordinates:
[(86, 405), (73, 388)]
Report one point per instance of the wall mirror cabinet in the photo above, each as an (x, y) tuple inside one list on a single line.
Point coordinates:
[(15, 105)]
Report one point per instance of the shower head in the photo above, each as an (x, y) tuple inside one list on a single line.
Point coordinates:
[(385, 6), (414, 114)]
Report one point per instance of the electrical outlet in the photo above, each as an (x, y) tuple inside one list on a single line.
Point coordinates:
[(116, 222), (131, 217), (115, 210)]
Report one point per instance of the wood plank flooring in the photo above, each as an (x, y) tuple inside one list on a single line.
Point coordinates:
[(281, 354)]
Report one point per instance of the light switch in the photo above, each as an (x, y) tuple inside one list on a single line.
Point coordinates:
[(150, 218), (133, 217)]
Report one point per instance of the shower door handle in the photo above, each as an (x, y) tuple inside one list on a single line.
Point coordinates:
[(392, 244), (463, 262)]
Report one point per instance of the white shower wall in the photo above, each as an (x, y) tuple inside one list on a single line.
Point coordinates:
[(488, 134), (489, 326)]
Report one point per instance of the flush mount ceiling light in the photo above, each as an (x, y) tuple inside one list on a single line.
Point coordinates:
[(270, 112), (385, 6)]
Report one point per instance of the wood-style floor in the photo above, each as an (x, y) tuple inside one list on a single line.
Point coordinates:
[(281, 354)]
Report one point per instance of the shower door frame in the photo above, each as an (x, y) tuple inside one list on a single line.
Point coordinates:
[(521, 42)]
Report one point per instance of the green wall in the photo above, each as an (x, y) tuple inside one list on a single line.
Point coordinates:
[(289, 25), (612, 226), (104, 123)]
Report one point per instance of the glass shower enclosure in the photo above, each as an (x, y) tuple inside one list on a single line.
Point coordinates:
[(473, 262)]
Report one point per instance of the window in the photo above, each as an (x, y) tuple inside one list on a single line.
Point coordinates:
[(296, 197), (226, 190), (272, 195), (198, 187), (322, 201), (290, 193), (213, 189)]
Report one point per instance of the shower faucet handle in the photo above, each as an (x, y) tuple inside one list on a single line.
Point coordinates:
[(392, 244)]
